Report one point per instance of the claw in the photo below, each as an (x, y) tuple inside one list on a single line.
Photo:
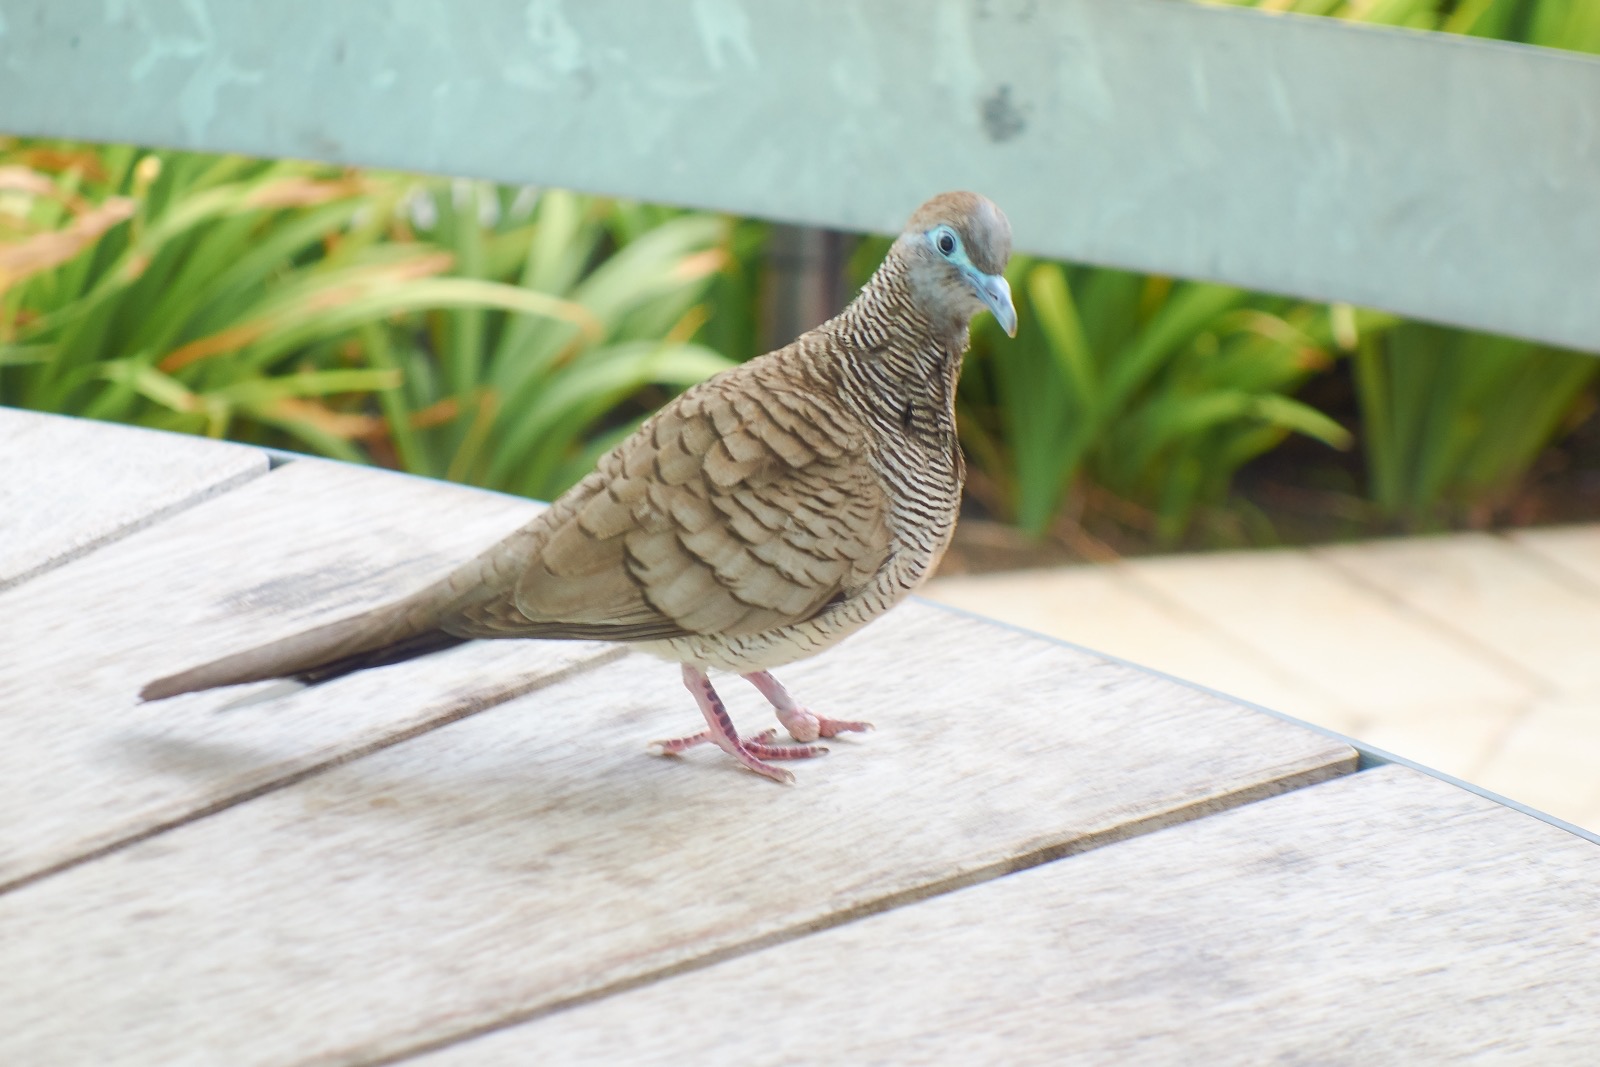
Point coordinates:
[(803, 724)]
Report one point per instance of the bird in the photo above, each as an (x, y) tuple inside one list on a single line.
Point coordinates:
[(758, 518)]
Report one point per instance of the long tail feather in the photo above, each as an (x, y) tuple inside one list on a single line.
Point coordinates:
[(411, 648), (387, 635)]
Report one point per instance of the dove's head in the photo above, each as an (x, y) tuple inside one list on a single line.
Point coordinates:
[(956, 246)]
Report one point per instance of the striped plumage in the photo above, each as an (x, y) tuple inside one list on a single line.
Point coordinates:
[(758, 518)]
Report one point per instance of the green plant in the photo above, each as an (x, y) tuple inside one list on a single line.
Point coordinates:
[(513, 401), (1569, 24), (1452, 421), (127, 262), (1159, 401), (189, 292), (295, 304), (1154, 391)]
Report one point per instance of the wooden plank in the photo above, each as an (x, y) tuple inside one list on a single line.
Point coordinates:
[(1496, 595), (85, 766), (1385, 917), (68, 486), (536, 853)]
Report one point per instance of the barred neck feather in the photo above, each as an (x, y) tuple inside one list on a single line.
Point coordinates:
[(887, 343), (882, 364), (887, 346)]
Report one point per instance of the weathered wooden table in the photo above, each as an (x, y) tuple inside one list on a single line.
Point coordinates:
[(473, 860)]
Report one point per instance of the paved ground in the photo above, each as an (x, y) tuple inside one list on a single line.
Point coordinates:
[(1476, 654)]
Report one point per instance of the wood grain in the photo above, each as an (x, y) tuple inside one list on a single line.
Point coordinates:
[(1384, 917), (535, 853), (68, 486), (85, 766)]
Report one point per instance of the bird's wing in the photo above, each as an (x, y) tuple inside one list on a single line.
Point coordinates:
[(734, 511)]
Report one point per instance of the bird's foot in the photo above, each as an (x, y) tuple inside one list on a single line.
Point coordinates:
[(678, 744), (760, 744), (803, 724), (751, 752)]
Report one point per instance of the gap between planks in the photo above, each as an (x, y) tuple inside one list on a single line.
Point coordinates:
[(455, 711), (1177, 816), (1136, 748), (270, 459), (1344, 918), (145, 522), (450, 713), (218, 581)]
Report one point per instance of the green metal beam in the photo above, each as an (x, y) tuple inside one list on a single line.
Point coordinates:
[(1448, 179)]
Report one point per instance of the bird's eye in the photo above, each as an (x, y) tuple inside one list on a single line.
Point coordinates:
[(946, 243)]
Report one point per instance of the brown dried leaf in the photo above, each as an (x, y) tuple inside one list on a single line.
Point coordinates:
[(60, 160), (407, 270), (340, 424), (32, 183), (24, 180), (301, 191), (22, 259), (436, 414), (235, 337), (700, 264), (686, 327), (214, 344)]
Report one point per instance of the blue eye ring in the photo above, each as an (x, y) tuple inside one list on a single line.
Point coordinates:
[(945, 241)]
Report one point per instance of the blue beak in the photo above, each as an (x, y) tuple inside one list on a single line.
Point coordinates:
[(995, 292)]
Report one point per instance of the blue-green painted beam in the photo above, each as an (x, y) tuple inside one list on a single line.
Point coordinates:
[(1447, 179)]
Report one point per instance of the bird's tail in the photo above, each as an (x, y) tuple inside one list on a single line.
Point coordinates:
[(389, 634)]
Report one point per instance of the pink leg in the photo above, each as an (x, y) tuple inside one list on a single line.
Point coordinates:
[(803, 724), (721, 732)]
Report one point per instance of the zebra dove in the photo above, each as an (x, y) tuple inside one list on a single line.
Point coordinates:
[(757, 519)]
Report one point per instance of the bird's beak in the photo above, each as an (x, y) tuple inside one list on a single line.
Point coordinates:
[(995, 292)]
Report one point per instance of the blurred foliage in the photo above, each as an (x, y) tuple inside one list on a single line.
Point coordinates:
[(1146, 396), (504, 336), (1142, 397), (1569, 24), (524, 403), (1154, 391), (453, 329), (1452, 421)]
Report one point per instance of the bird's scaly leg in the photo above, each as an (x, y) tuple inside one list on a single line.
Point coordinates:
[(720, 732), (803, 724)]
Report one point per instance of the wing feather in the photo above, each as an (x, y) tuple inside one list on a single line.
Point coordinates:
[(719, 516)]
